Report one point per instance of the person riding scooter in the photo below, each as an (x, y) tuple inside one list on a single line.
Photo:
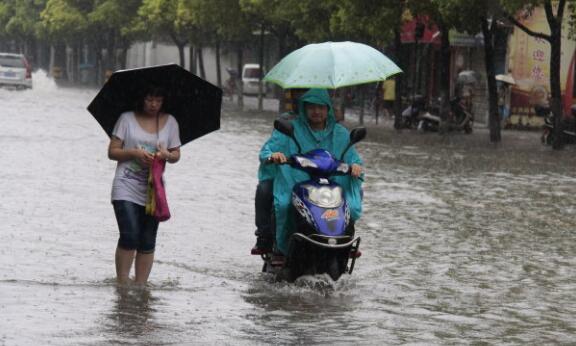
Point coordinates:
[(264, 200), (314, 127)]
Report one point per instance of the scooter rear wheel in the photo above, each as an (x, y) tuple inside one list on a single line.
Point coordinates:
[(333, 268), (285, 274)]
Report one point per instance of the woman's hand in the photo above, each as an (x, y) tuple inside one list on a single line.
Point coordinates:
[(278, 158), (144, 157), (162, 153), (355, 170)]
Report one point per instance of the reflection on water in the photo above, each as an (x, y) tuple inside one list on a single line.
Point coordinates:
[(132, 315)]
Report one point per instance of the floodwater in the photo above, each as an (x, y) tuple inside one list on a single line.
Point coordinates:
[(463, 242)]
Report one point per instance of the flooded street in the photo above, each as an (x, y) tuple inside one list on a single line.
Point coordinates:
[(463, 242)]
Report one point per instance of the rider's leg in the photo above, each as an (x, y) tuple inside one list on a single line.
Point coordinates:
[(263, 214)]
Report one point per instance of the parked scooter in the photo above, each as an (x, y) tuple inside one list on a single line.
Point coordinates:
[(568, 125), (460, 119), (323, 240), (411, 114)]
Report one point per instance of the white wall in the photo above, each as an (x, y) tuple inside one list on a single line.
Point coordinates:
[(144, 54)]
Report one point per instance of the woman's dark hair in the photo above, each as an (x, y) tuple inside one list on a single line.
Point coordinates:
[(150, 90)]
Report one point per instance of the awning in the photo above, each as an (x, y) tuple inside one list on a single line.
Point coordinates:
[(431, 33)]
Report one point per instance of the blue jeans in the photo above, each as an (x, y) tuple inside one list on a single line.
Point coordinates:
[(137, 230)]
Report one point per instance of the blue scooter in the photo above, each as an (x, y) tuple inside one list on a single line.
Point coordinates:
[(323, 240)]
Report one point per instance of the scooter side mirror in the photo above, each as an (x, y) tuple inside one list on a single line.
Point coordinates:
[(285, 126), (356, 135)]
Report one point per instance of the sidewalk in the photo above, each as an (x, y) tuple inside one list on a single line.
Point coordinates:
[(384, 131)]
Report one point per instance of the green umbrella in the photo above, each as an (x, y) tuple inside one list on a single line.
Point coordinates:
[(331, 65)]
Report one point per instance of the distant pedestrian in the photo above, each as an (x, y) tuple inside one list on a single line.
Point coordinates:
[(137, 137), (504, 101), (389, 95)]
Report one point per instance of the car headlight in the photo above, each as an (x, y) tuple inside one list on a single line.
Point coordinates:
[(304, 162), (325, 197)]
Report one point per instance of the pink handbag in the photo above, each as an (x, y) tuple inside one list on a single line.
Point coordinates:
[(157, 204), (156, 193)]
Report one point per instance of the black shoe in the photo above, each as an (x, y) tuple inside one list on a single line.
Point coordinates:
[(263, 245)]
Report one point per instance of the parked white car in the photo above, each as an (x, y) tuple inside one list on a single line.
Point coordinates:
[(250, 77), (15, 71)]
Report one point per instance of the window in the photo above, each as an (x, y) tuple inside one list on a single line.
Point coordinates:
[(252, 73), (12, 61)]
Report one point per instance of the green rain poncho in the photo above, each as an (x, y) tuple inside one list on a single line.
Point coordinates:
[(333, 138)]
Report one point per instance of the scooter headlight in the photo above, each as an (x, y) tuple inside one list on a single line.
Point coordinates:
[(304, 162), (325, 197)]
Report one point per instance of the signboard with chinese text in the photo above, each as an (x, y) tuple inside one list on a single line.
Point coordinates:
[(529, 64)]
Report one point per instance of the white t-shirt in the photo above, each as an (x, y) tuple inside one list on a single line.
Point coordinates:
[(131, 179)]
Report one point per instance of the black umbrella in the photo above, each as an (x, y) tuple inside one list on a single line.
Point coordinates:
[(194, 102)]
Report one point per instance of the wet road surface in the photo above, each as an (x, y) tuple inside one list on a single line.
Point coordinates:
[(463, 242)]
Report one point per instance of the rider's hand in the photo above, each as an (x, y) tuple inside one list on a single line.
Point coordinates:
[(355, 170), (278, 158)]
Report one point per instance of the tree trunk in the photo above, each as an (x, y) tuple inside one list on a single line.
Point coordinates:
[(218, 66), (60, 60), (555, 24), (192, 58), (361, 115), (181, 53), (76, 64), (239, 84), (445, 57), (124, 56), (494, 117), (399, 79), (114, 52), (99, 68), (107, 59), (281, 53), (42, 54), (201, 63), (260, 75)]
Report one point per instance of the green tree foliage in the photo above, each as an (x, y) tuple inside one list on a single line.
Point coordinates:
[(312, 19), (372, 22), (20, 18), (160, 18), (64, 19), (278, 17), (117, 17)]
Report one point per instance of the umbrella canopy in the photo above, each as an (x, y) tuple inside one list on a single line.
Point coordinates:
[(506, 78), (331, 65), (469, 77), (194, 102)]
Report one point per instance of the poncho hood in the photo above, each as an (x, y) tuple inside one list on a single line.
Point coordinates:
[(318, 97)]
